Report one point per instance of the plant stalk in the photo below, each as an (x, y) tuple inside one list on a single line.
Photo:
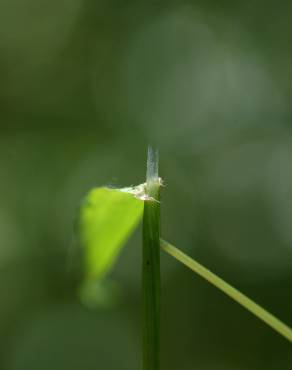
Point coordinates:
[(151, 266)]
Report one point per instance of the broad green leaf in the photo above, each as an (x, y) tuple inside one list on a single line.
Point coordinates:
[(107, 218)]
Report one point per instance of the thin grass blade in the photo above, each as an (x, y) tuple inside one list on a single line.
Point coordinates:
[(236, 295)]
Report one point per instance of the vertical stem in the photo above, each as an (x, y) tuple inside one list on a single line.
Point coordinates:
[(151, 267)]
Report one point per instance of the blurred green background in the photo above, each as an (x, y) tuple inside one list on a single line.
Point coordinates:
[(84, 87)]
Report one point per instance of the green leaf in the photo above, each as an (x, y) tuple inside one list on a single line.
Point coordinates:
[(107, 218), (226, 288)]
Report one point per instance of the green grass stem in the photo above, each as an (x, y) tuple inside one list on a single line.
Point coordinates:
[(151, 266)]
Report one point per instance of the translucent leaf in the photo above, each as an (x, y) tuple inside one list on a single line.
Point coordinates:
[(107, 218)]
